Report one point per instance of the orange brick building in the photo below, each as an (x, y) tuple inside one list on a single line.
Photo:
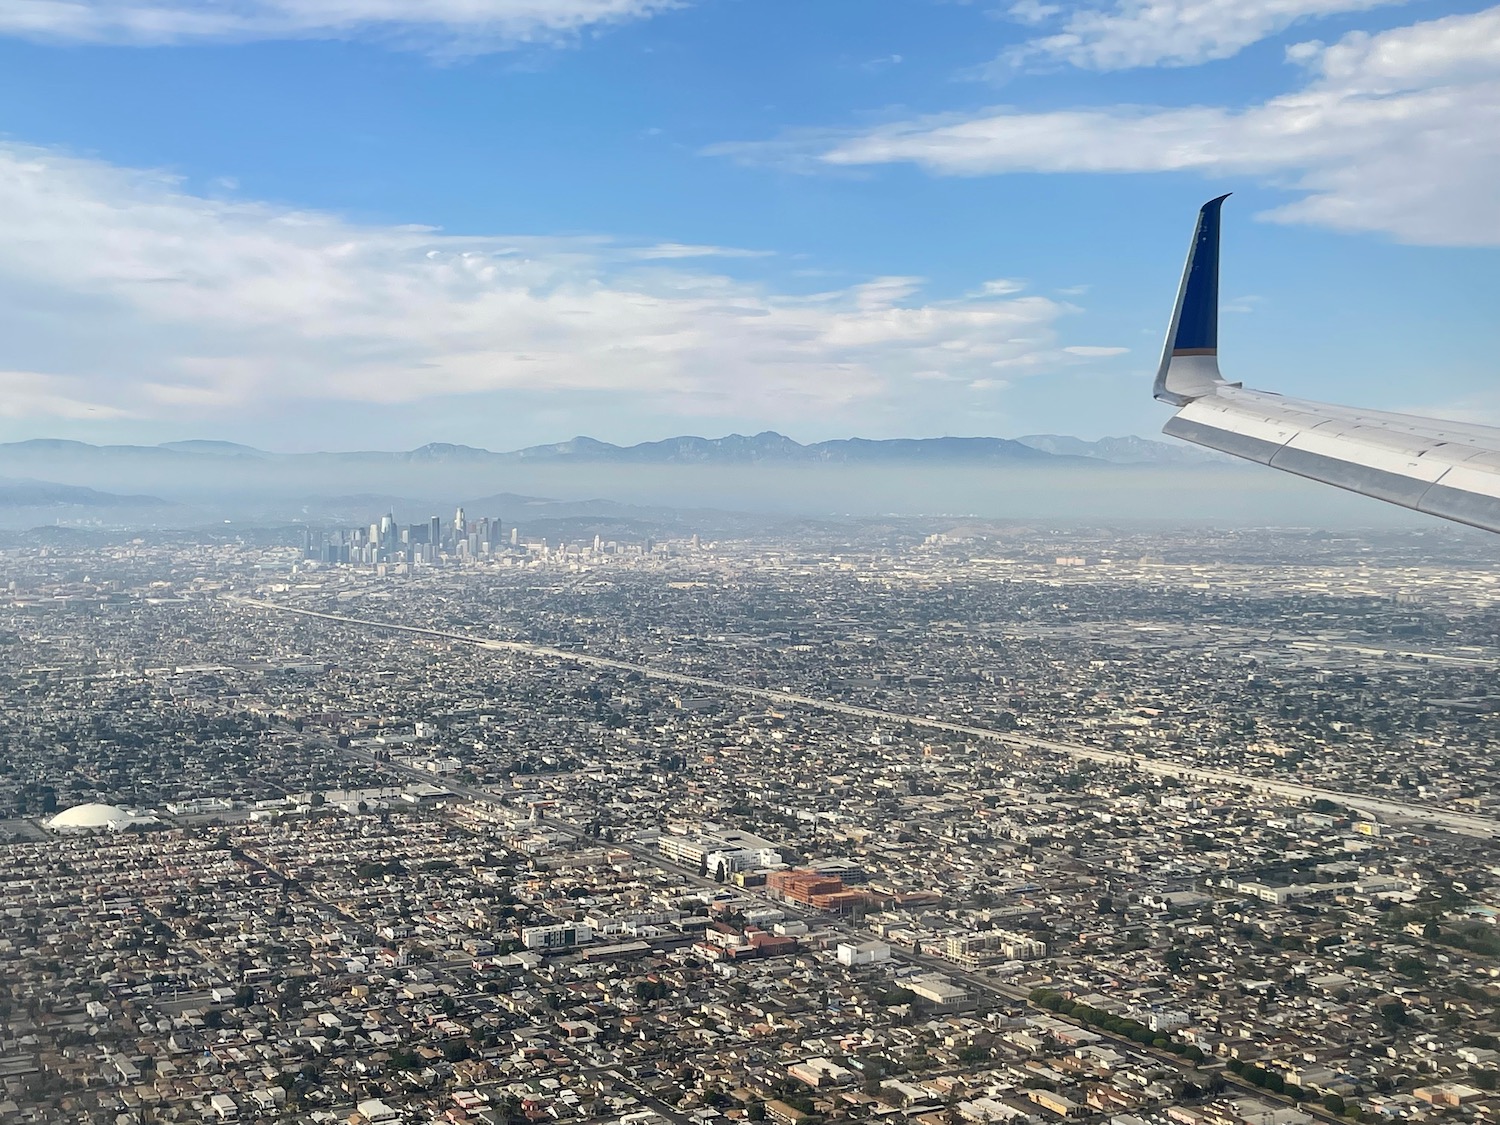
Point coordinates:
[(800, 885)]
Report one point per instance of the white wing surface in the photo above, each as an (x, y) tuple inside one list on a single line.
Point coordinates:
[(1446, 469)]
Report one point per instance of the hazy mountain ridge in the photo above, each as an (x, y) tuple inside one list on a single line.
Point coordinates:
[(212, 482), (1122, 450), (767, 447), (771, 447), (47, 494), (212, 448)]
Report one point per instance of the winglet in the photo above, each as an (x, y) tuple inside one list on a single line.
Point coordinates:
[(1190, 360)]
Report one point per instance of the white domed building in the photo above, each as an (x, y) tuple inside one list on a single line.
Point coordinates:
[(93, 817)]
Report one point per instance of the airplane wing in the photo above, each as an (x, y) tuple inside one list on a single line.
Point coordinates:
[(1446, 469)]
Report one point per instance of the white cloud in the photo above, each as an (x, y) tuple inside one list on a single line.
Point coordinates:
[(1094, 352), (1133, 33), (1032, 12), (130, 295), (1397, 133), (1001, 287), (676, 250), (461, 25)]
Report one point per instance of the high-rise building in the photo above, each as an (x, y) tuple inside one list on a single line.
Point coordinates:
[(460, 526), (435, 532)]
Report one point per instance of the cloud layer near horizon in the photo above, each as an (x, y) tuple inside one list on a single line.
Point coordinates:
[(131, 297), (1396, 133)]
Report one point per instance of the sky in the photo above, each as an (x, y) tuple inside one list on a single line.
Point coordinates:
[(355, 224)]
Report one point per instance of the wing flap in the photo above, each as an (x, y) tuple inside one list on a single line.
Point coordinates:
[(1462, 506), (1353, 475), (1391, 458), (1236, 444)]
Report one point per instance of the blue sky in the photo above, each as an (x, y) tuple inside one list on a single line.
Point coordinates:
[(376, 223)]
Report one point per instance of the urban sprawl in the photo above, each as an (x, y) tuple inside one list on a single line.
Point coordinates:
[(438, 822)]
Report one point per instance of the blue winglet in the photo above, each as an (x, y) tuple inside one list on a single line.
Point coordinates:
[(1194, 333)]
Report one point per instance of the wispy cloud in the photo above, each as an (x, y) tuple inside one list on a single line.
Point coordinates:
[(1397, 133), (128, 294), (670, 251), (464, 26), (1032, 12), (1132, 33)]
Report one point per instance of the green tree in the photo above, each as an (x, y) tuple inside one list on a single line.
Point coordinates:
[(1394, 1014)]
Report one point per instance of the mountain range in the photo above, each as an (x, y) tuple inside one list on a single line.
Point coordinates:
[(199, 483), (46, 494), (735, 449)]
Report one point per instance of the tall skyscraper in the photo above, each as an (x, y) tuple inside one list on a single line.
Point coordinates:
[(460, 526), (435, 532)]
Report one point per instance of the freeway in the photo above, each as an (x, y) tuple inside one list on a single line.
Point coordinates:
[(1449, 820)]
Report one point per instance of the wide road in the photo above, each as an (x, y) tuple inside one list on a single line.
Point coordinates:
[(1447, 819)]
